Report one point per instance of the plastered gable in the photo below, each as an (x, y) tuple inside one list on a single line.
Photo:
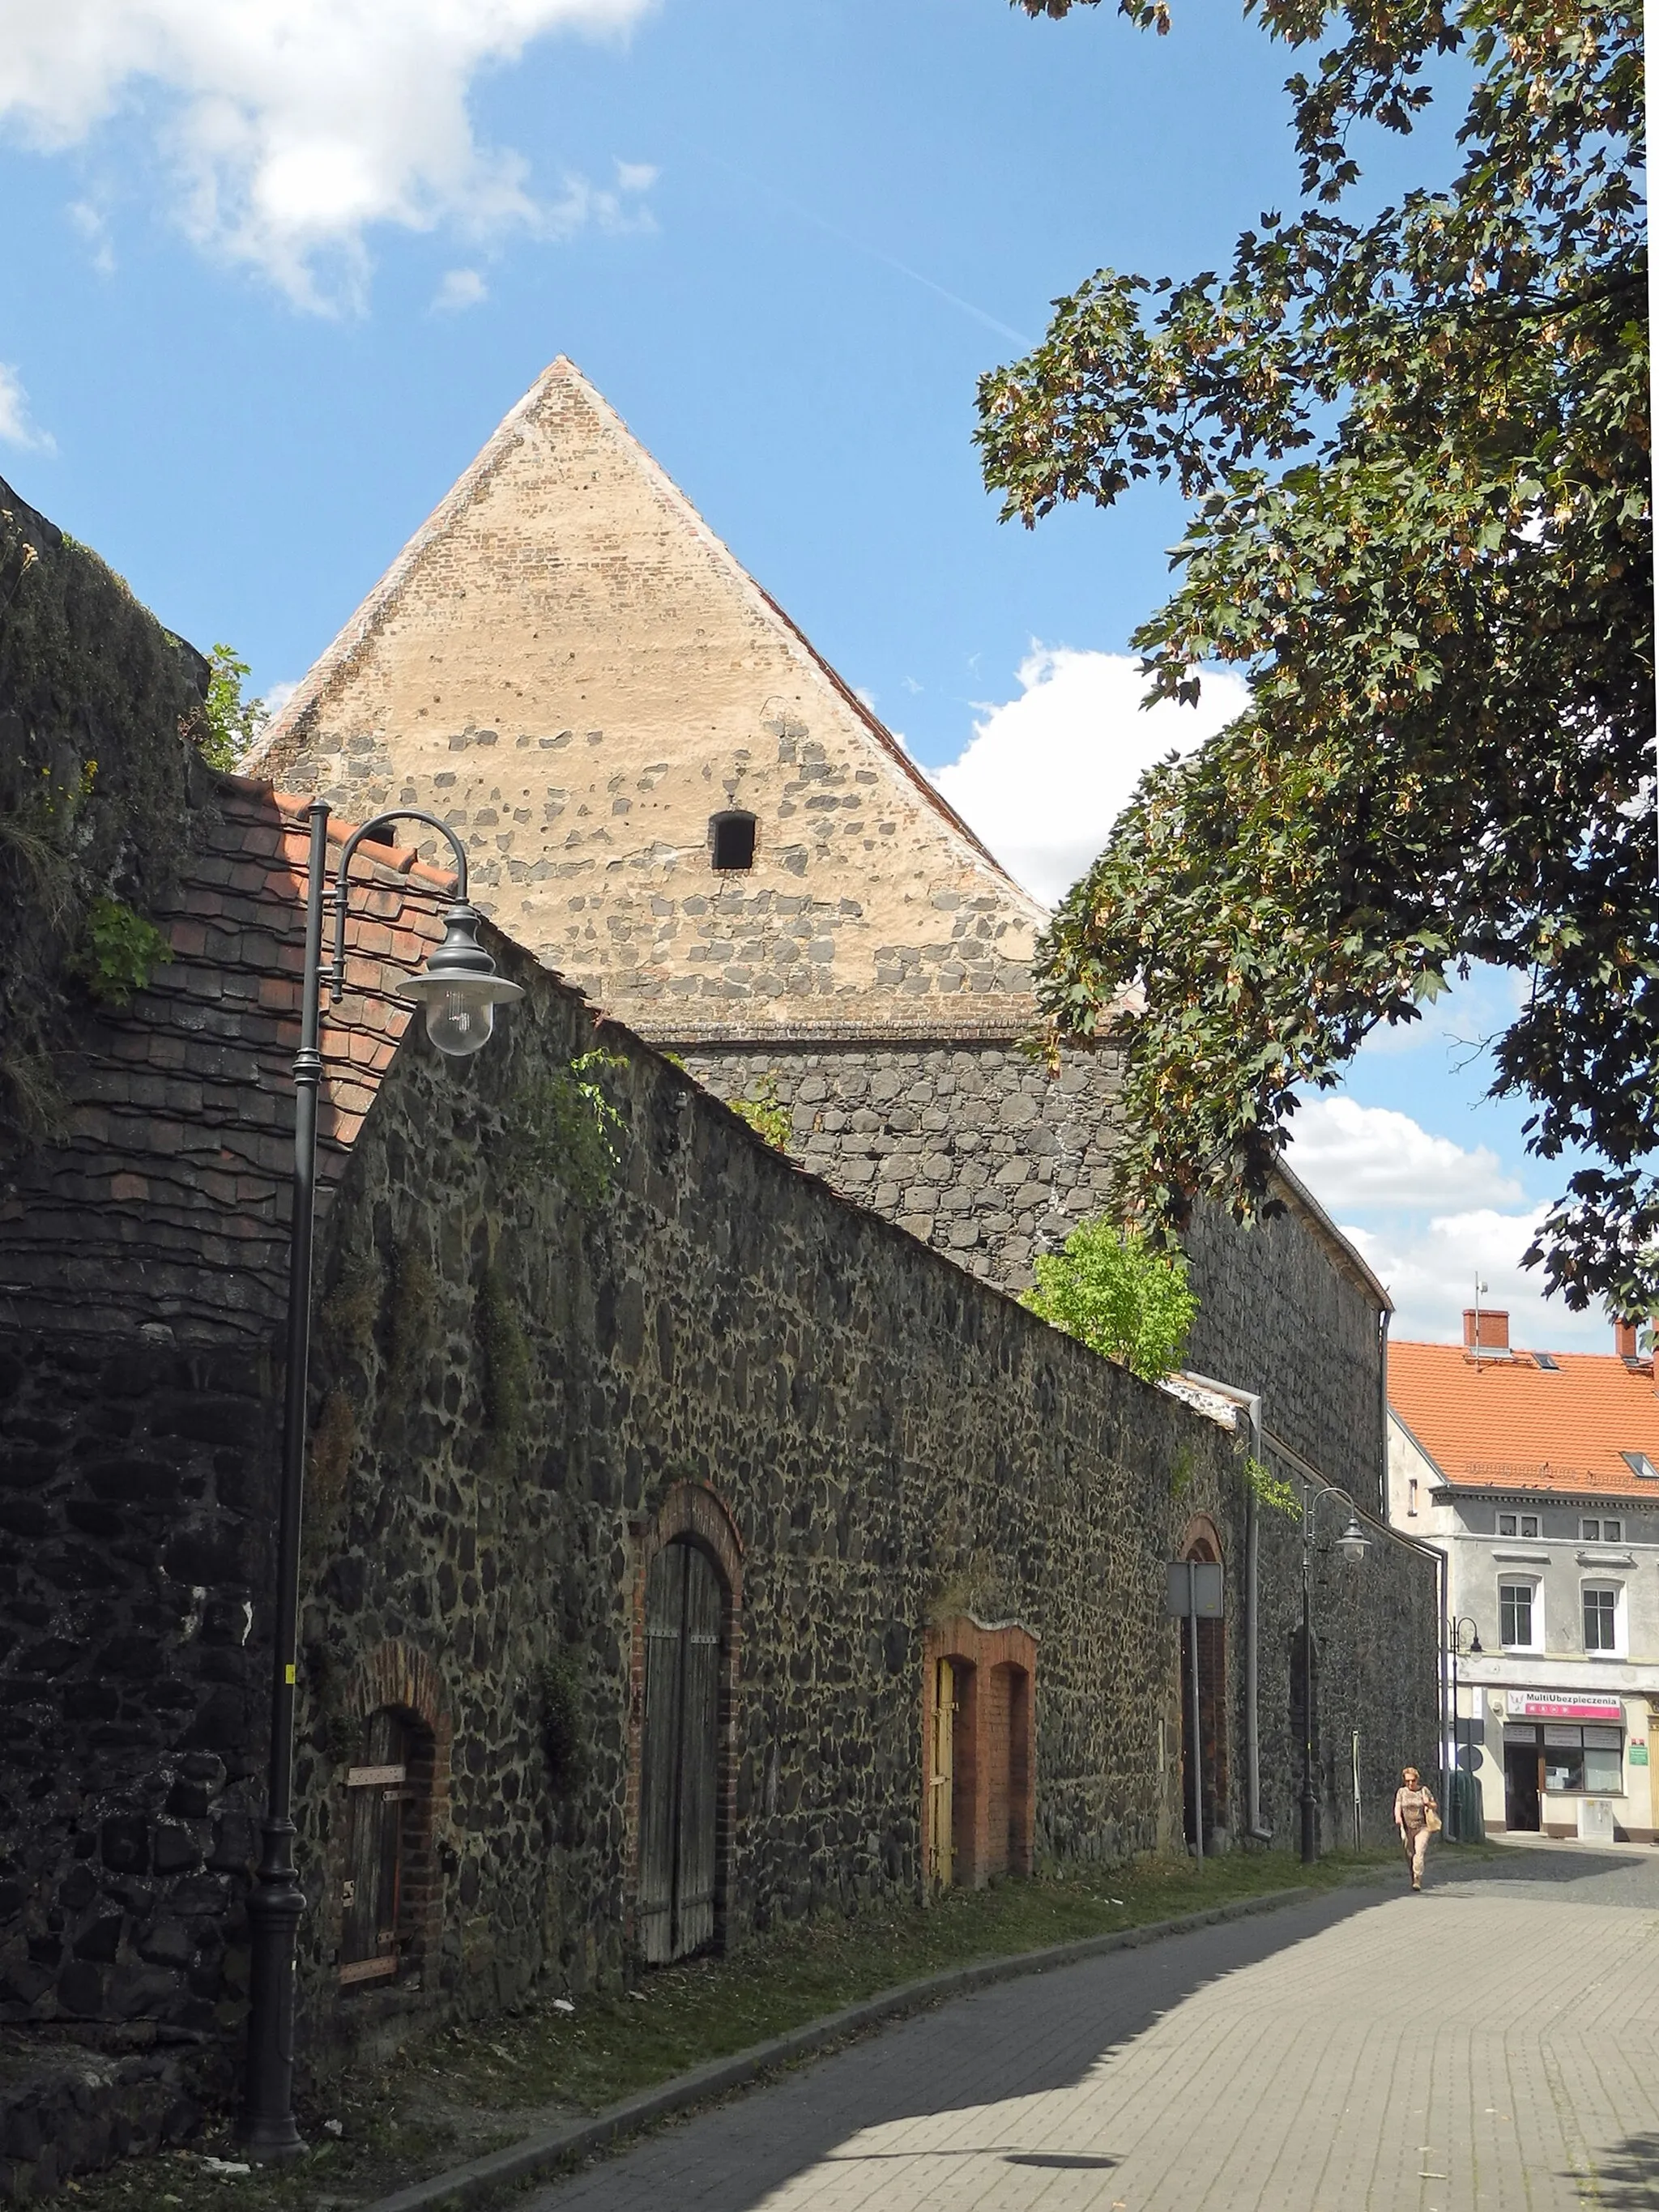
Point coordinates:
[(567, 666)]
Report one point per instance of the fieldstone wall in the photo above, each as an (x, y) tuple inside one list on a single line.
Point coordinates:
[(974, 1147)]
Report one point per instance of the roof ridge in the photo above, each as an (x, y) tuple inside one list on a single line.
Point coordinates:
[(289, 728), (401, 859)]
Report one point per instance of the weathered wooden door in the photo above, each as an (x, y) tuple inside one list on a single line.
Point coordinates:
[(370, 1896), (944, 1773), (680, 1762)]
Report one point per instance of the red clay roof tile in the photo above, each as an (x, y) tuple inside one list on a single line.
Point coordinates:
[(1510, 1424)]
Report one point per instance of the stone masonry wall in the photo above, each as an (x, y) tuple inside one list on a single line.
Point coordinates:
[(974, 1148), (512, 1382)]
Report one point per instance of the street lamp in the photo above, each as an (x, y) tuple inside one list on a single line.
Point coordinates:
[(1458, 1649), (1353, 1544), (460, 991)]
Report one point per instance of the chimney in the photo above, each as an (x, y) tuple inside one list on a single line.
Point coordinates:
[(1493, 1325), (1624, 1347)]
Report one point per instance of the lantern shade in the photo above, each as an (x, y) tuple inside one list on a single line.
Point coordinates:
[(1354, 1542), (459, 989)]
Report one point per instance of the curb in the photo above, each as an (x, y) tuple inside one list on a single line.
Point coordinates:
[(465, 2185)]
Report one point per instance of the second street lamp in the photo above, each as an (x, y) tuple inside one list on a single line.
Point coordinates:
[(460, 991), (1353, 1544)]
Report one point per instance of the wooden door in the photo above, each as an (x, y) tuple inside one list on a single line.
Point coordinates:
[(679, 1759), (944, 1772), (371, 1891)]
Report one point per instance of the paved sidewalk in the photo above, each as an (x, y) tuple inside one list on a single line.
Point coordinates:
[(1490, 2046)]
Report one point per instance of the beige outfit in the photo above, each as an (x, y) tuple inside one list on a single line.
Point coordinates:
[(1411, 1817)]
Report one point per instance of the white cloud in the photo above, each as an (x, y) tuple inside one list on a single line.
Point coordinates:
[(461, 289), (288, 131), (277, 695), (17, 427), (1430, 1270), (89, 219), (1351, 1155), (1046, 775)]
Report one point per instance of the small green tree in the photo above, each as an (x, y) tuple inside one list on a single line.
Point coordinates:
[(230, 723), (1116, 1292)]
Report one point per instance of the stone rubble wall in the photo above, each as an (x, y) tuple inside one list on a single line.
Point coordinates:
[(974, 1148), (511, 1382)]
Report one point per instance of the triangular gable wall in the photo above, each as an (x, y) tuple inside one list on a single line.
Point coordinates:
[(566, 665)]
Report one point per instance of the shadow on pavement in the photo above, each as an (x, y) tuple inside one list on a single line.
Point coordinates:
[(1016, 2040), (1627, 2176)]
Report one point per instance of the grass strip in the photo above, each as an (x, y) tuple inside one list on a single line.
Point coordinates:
[(471, 2089)]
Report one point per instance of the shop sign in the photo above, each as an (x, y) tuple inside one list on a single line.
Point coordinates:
[(1638, 1754), (1562, 1706)]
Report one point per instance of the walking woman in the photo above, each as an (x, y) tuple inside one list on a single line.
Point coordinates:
[(1417, 1817)]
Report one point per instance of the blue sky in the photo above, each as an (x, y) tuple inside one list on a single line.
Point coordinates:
[(271, 275)]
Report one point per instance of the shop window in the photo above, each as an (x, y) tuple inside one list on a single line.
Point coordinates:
[(732, 839), (1602, 1619), (1516, 1616), (1589, 1760)]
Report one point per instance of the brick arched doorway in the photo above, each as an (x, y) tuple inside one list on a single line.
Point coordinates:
[(1202, 1541), (979, 1778), (687, 1610)]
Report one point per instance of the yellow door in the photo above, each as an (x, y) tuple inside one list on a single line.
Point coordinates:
[(945, 1760)]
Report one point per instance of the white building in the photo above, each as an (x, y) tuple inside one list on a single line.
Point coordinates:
[(1537, 1475)]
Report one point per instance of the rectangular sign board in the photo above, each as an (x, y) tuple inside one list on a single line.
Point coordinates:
[(1194, 1587), (1562, 1706)]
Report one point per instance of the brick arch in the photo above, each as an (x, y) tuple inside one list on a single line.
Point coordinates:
[(993, 1789), (1201, 1540), (399, 1675), (694, 1512)]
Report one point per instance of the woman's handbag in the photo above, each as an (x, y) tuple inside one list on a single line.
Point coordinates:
[(1431, 1820)]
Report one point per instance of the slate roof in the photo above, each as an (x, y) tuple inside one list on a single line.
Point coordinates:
[(1509, 1425), (164, 1204)]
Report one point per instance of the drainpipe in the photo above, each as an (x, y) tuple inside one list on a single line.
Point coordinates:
[(1251, 1402)]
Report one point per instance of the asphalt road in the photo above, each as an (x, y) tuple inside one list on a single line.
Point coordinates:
[(1491, 2045)]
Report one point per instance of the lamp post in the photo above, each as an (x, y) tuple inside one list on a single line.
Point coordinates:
[(460, 990), (1458, 1649), (1353, 1544)]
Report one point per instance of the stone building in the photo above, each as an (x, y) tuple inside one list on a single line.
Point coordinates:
[(676, 803), (620, 1447)]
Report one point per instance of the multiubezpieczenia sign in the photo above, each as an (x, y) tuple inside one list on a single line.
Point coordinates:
[(1562, 1706)]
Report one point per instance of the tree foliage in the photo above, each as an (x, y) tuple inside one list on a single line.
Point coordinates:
[(1417, 451), (228, 724), (1111, 1288)]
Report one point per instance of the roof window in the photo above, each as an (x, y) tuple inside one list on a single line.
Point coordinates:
[(1548, 1361), (1638, 1462), (732, 839)]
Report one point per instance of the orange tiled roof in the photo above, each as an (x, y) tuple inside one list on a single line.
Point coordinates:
[(166, 1198), (1511, 1425)]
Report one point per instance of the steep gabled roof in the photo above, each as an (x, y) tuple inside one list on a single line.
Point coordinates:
[(566, 657), (1508, 1424)]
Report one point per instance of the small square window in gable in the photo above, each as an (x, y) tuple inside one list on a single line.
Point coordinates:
[(731, 841)]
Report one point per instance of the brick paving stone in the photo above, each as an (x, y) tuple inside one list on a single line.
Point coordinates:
[(1490, 2046)]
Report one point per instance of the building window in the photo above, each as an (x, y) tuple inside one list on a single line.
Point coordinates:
[(732, 839), (1410, 1494), (1515, 1616), (1587, 1759), (1529, 1524), (1521, 1524), (1601, 1619), (1639, 1462), (1601, 1532)]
